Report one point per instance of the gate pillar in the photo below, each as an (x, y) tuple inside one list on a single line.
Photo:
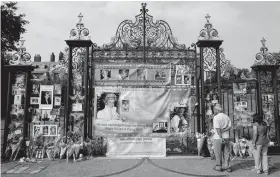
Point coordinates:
[(208, 39), (78, 44), (265, 67)]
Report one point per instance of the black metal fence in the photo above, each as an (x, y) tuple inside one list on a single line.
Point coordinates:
[(228, 107)]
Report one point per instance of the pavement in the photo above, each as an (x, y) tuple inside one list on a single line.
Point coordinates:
[(131, 167)]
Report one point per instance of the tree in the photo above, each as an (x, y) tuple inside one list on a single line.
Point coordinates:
[(12, 26)]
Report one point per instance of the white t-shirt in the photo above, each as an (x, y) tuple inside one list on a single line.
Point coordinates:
[(221, 121)]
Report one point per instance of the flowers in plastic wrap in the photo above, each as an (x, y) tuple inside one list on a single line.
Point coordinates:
[(200, 141), (243, 119)]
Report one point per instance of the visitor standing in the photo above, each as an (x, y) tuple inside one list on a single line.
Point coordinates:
[(221, 125), (260, 143)]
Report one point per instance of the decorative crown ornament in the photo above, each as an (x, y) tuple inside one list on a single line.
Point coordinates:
[(80, 33), (208, 33), (21, 57), (264, 57)]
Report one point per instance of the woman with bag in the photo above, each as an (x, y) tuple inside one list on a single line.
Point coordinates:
[(260, 144)]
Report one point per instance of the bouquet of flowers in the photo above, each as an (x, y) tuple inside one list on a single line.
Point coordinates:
[(200, 141)]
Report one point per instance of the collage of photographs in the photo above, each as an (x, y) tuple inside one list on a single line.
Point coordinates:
[(45, 102), (132, 74), (182, 76), (240, 96), (45, 130)]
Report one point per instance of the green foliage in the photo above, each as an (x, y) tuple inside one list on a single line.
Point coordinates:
[(12, 26)]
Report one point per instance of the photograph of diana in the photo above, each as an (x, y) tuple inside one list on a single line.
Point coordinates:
[(141, 74), (178, 80), (36, 88), (37, 130), (125, 106), (107, 107), (45, 129), (187, 79), (53, 130), (46, 97), (123, 74), (178, 120), (105, 74)]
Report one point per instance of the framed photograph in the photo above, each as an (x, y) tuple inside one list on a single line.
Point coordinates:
[(55, 112), (182, 69), (37, 130), (57, 89), (123, 74), (159, 127), (187, 79), (178, 79), (34, 100), (141, 74), (125, 106), (105, 74), (57, 101), (160, 75), (46, 114), (17, 99), (36, 89), (52, 130), (239, 88), (268, 98), (36, 115), (45, 130), (46, 97), (77, 107)]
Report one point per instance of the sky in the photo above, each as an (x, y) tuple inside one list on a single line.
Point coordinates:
[(240, 24)]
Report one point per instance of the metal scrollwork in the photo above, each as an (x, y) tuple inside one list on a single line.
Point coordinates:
[(80, 33), (209, 55), (21, 57), (78, 54), (208, 33), (158, 34), (264, 57)]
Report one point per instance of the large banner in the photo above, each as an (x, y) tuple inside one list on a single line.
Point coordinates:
[(136, 147), (141, 111)]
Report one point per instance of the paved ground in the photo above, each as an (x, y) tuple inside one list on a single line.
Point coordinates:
[(167, 167)]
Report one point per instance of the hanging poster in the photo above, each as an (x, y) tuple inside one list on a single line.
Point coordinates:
[(46, 97), (133, 111)]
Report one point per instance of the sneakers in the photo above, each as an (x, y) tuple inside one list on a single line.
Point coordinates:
[(266, 172), (259, 172)]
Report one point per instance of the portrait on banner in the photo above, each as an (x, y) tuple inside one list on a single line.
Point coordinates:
[(108, 107), (123, 74), (179, 120), (141, 74), (105, 74)]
